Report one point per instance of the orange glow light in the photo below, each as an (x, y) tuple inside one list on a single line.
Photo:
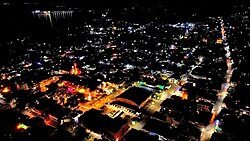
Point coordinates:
[(75, 70), (61, 84), (6, 90), (81, 90), (18, 126), (212, 118), (3, 77), (219, 41), (65, 100), (47, 122), (184, 96)]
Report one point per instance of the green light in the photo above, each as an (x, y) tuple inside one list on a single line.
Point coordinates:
[(161, 87), (142, 83), (218, 129), (22, 126)]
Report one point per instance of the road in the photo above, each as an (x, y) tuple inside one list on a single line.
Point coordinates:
[(208, 132), (155, 105), (210, 129)]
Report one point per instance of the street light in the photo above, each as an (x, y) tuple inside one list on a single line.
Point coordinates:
[(133, 122)]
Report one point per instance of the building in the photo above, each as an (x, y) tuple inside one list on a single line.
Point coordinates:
[(154, 126), (113, 129), (135, 96), (126, 108), (139, 136)]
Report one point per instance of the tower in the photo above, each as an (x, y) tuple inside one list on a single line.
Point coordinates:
[(74, 70)]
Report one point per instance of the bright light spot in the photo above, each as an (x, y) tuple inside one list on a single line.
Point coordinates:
[(142, 83), (184, 95), (219, 41), (38, 63), (37, 11), (6, 90), (70, 90), (75, 70), (21, 126), (161, 87), (82, 90), (217, 122), (76, 120), (3, 77), (89, 97)]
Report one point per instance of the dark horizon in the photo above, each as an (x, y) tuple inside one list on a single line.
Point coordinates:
[(17, 17)]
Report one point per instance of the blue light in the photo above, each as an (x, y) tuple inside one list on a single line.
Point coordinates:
[(38, 63), (217, 121), (76, 120), (152, 134)]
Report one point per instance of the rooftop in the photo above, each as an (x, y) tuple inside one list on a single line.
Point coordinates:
[(94, 120), (156, 126), (135, 95), (139, 135)]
